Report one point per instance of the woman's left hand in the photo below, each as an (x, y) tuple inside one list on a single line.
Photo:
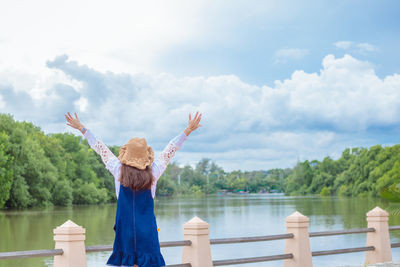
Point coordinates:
[(193, 124), (74, 122)]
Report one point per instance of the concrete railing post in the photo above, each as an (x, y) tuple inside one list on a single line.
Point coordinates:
[(70, 237), (380, 239), (299, 245), (199, 253)]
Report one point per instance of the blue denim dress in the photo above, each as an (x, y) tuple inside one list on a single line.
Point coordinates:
[(136, 237)]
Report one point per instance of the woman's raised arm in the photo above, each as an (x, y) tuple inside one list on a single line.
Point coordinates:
[(162, 161), (105, 153)]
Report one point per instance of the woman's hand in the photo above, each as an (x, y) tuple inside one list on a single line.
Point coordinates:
[(193, 124), (74, 122)]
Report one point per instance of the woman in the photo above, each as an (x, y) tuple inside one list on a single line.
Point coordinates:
[(135, 174)]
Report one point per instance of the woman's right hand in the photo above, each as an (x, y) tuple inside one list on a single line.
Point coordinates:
[(193, 124)]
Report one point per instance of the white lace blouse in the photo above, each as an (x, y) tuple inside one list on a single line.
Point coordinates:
[(113, 164)]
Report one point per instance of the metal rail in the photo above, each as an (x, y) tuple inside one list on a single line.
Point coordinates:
[(249, 239), (30, 254), (232, 240), (175, 243), (342, 232), (285, 236), (99, 248), (179, 265), (395, 245), (341, 251), (253, 259), (162, 244), (396, 227)]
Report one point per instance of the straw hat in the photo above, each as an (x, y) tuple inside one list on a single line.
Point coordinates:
[(136, 153)]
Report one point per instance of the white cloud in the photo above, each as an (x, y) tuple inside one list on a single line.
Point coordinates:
[(245, 126), (343, 44), (81, 104), (356, 47), (123, 36), (366, 47), (285, 54)]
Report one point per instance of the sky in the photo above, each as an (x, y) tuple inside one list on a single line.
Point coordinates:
[(277, 81)]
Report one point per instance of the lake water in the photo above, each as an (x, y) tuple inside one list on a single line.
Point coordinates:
[(228, 216)]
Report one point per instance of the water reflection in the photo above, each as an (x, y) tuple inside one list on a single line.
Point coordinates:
[(229, 216)]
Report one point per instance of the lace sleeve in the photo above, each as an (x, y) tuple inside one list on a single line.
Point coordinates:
[(109, 159), (167, 154), (100, 148), (162, 161), (104, 152)]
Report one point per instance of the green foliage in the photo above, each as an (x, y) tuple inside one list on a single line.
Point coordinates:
[(196, 191), (208, 178), (358, 172), (62, 193), (88, 193), (6, 172), (61, 169), (166, 187), (392, 194), (325, 192), (39, 170), (19, 197), (344, 190)]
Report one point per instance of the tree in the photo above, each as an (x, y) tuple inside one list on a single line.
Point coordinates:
[(203, 166), (392, 194), (325, 192), (62, 193), (6, 172), (38, 169)]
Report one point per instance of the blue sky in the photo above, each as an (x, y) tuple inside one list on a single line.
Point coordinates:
[(277, 81), (250, 44)]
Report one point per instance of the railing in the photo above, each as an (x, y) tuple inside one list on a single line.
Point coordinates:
[(162, 244), (236, 240), (70, 250), (30, 254)]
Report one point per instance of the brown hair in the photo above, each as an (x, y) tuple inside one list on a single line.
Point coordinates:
[(135, 178)]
